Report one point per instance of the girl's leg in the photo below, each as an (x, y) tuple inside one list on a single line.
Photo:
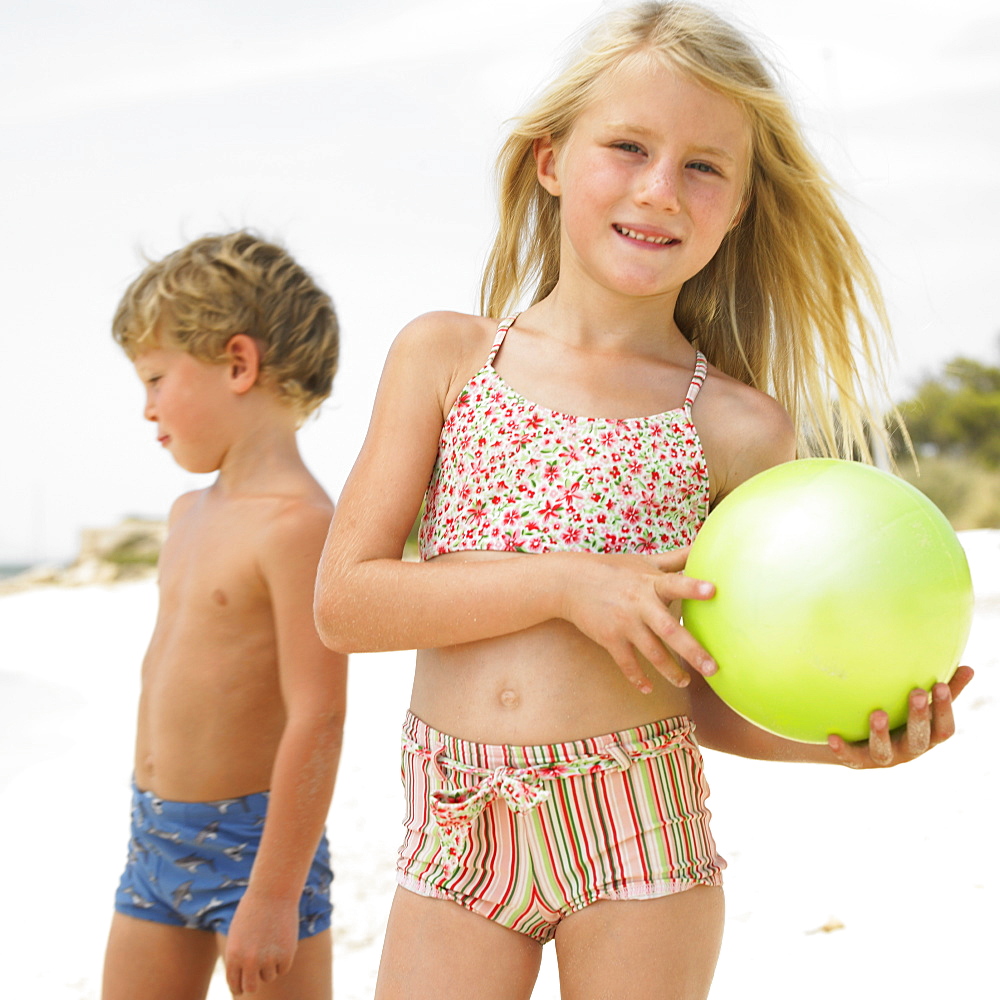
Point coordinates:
[(156, 961), (437, 950), (661, 949)]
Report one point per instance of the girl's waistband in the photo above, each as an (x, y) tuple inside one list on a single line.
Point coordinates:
[(647, 740)]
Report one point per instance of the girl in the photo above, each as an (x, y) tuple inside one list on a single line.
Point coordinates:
[(694, 291)]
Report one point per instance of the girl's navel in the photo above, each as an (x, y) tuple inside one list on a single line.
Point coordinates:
[(509, 698)]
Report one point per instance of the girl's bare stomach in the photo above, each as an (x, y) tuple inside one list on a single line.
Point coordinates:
[(547, 684)]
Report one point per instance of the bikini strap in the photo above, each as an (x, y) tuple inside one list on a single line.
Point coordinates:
[(697, 381), (505, 325)]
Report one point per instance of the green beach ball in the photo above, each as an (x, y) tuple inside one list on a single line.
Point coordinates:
[(839, 589)]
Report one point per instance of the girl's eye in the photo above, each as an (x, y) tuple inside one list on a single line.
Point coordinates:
[(703, 168), (628, 147)]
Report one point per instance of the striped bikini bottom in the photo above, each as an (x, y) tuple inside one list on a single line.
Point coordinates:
[(526, 835)]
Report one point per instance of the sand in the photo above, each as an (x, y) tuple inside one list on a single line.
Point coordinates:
[(840, 884)]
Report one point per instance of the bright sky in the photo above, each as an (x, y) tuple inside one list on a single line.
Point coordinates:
[(360, 133)]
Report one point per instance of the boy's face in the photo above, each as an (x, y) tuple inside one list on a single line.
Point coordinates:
[(189, 401)]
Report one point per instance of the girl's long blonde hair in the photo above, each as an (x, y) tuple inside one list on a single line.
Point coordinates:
[(789, 304)]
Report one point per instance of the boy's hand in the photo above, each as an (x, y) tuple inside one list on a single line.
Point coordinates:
[(929, 723), (261, 943)]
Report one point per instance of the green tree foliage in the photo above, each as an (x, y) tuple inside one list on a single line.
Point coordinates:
[(957, 414)]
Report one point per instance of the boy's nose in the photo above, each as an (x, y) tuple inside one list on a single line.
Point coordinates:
[(149, 410)]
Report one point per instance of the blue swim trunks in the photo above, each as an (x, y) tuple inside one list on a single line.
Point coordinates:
[(189, 864)]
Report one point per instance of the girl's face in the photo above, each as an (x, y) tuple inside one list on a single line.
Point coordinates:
[(650, 179)]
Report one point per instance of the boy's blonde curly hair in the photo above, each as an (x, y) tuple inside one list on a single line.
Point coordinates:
[(200, 296)]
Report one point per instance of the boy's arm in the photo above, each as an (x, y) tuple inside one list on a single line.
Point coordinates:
[(264, 933), (929, 723)]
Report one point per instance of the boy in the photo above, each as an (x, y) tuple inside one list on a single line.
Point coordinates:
[(242, 706)]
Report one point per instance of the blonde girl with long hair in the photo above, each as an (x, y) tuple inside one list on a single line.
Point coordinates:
[(699, 311)]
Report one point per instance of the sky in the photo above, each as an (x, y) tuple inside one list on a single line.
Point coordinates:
[(361, 135)]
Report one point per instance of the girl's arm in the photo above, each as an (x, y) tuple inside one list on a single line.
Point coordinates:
[(929, 723), (368, 598), (749, 433)]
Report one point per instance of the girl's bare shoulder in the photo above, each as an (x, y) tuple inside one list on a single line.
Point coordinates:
[(443, 348), (448, 334), (743, 430)]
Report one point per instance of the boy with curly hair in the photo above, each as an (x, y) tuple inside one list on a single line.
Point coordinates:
[(242, 707)]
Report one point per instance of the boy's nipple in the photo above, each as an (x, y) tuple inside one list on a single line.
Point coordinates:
[(219, 597)]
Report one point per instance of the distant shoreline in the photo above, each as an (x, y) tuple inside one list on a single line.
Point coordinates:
[(14, 569), (126, 551)]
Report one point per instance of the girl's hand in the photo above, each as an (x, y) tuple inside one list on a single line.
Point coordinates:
[(929, 723), (622, 602)]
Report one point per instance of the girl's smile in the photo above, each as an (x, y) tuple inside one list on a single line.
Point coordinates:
[(646, 236)]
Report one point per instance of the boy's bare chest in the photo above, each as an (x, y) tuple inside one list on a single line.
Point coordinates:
[(199, 566), (211, 587)]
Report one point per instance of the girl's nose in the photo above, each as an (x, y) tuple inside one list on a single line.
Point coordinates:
[(659, 188), (149, 410)]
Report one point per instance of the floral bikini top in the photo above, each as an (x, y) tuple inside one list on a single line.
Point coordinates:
[(514, 476)]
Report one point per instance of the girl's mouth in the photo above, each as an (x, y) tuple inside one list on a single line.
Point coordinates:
[(633, 234)]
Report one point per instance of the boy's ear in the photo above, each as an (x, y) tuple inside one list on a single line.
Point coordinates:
[(242, 358), (545, 165)]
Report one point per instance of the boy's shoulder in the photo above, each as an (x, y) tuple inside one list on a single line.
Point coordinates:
[(183, 506), (293, 520), (298, 511), (186, 500)]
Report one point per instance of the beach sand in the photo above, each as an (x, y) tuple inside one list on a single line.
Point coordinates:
[(840, 884)]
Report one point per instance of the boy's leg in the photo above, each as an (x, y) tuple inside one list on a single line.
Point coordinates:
[(436, 950), (309, 978), (156, 961), (665, 948)]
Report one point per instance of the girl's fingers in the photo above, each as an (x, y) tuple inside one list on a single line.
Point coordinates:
[(676, 586), (661, 659), (628, 663), (917, 738), (942, 714), (843, 751), (648, 646), (671, 633), (944, 695), (930, 720), (933, 719), (879, 739), (671, 562), (959, 681)]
